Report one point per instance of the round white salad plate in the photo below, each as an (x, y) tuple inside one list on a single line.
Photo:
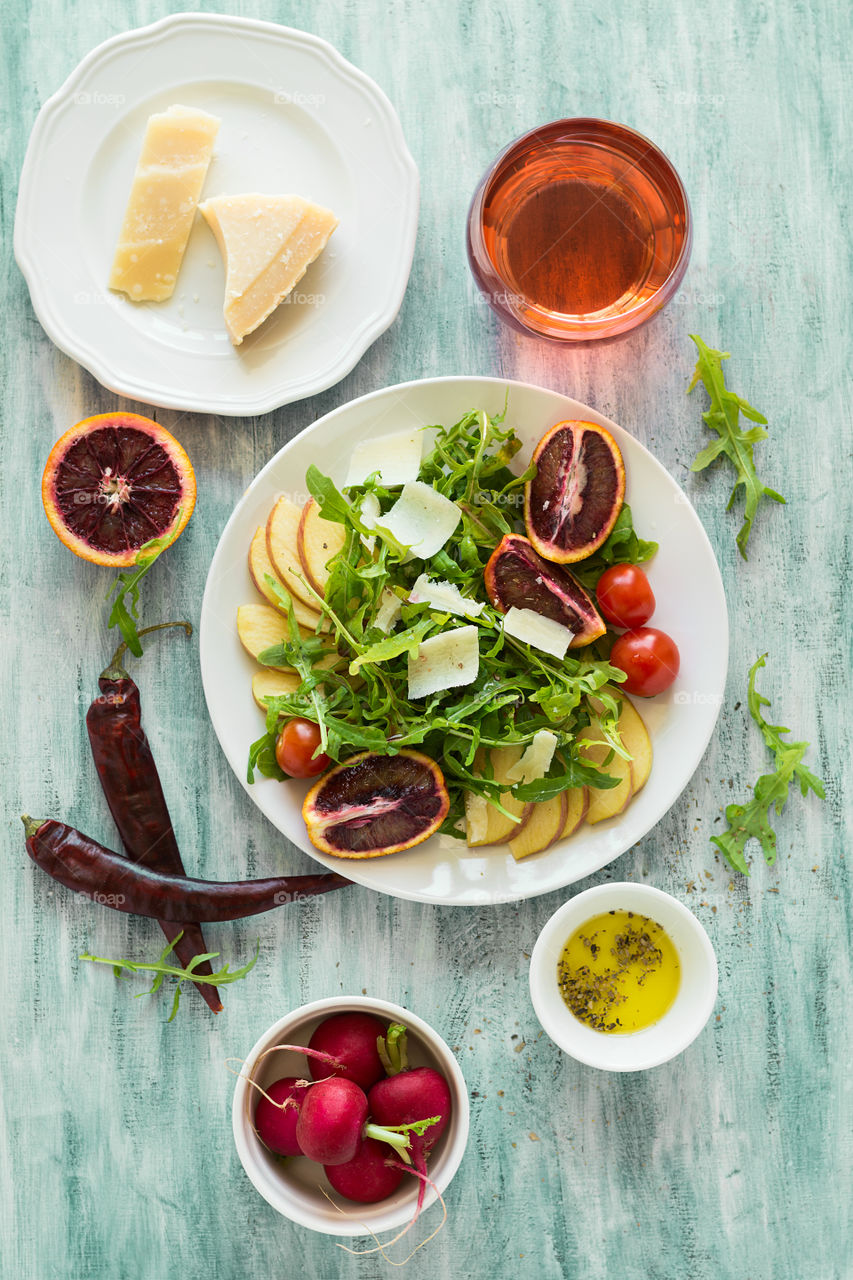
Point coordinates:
[(691, 606), (297, 118)]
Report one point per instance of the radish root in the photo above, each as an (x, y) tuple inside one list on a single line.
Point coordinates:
[(290, 1048), (380, 1248)]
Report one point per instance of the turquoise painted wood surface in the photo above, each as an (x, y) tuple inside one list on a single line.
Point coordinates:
[(731, 1163)]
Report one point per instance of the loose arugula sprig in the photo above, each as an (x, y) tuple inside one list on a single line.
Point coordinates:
[(125, 611), (354, 674), (752, 820), (162, 969), (736, 444)]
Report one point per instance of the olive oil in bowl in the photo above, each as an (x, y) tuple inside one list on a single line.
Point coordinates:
[(619, 972)]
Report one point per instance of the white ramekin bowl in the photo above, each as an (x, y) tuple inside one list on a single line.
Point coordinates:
[(682, 1022), (295, 1187)]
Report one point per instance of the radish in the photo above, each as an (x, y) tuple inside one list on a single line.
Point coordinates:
[(369, 1176), (333, 1121), (351, 1038), (407, 1100), (277, 1113)]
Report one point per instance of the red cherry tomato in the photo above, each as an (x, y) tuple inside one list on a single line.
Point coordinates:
[(295, 747), (624, 595), (649, 658)]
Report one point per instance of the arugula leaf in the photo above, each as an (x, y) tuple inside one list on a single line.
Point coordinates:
[(735, 443), (162, 969), (392, 646), (752, 820), (125, 611)]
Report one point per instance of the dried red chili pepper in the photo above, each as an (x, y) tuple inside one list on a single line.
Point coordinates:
[(85, 866), (131, 784)]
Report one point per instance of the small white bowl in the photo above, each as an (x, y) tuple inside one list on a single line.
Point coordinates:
[(679, 1026), (294, 1187)]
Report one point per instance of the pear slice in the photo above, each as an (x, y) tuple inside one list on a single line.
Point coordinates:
[(282, 531), (544, 825), (317, 540), (605, 804), (272, 683), (577, 804), (635, 738), (267, 243), (497, 828), (259, 626), (260, 566)]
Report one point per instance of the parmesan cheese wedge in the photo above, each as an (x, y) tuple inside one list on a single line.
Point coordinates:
[(389, 611), (445, 597), (539, 632), (169, 177), (446, 661), (267, 244), (396, 457), (422, 519), (370, 513), (536, 761)]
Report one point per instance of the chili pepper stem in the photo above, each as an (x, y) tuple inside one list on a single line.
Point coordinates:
[(31, 825), (115, 671)]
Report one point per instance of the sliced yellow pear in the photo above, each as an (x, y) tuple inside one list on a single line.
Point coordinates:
[(260, 566), (259, 626), (636, 740), (272, 683), (605, 803), (267, 243), (282, 538), (577, 804), (543, 826), (498, 828), (317, 540)]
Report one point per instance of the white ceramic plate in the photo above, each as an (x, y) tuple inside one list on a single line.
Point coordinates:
[(296, 117), (691, 606)]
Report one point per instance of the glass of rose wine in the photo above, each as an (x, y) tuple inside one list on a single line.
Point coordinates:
[(580, 230)]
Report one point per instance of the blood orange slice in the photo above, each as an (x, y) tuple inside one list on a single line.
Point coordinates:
[(572, 502), (517, 576), (372, 805), (114, 482)]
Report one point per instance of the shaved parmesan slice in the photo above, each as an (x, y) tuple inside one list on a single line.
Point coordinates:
[(422, 519), (536, 761), (370, 512), (445, 661), (539, 632), (389, 611), (443, 596), (476, 817), (397, 458)]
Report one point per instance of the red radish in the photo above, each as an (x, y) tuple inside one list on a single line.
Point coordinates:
[(331, 1120), (374, 1173), (350, 1038), (276, 1116), (410, 1097)]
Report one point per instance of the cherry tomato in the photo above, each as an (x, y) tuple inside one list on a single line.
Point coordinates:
[(295, 747), (625, 596), (649, 658)]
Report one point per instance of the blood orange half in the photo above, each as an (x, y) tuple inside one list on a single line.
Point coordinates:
[(114, 482), (372, 805), (572, 502)]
